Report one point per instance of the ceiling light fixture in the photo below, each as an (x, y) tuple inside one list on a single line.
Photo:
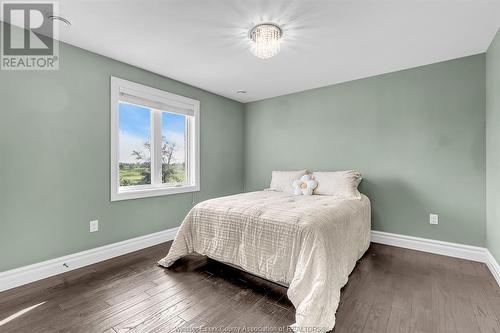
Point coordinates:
[(266, 40), (241, 91), (59, 18)]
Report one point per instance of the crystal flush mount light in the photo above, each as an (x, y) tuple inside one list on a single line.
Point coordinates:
[(266, 40)]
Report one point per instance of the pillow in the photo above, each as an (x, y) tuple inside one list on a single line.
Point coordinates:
[(282, 181), (339, 183), (304, 186)]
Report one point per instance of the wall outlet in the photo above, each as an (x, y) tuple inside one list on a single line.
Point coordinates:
[(433, 218), (94, 226)]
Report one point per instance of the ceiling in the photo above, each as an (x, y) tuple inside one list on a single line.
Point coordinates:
[(205, 43)]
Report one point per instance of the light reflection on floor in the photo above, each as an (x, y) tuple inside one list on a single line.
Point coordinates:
[(19, 313)]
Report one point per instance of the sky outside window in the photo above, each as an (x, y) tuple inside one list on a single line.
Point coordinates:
[(134, 138), (174, 143)]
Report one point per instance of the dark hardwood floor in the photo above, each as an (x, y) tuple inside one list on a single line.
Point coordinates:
[(390, 290)]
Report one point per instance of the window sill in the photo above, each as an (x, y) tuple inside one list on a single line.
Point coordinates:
[(151, 192)]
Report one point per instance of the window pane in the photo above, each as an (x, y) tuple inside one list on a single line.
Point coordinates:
[(173, 148), (135, 145)]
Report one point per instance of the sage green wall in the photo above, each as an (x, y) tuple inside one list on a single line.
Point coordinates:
[(417, 136), (493, 147), (55, 159)]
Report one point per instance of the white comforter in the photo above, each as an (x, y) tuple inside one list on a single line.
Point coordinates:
[(310, 243)]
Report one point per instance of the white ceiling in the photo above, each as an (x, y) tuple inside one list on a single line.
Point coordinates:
[(205, 43)]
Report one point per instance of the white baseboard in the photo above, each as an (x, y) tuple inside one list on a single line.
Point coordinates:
[(31, 273), (468, 252), (474, 253), (493, 266)]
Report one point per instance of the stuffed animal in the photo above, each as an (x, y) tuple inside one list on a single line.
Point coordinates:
[(305, 185)]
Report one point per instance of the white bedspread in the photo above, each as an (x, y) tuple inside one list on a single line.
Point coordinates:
[(310, 243)]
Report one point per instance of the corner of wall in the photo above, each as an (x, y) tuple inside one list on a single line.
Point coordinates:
[(492, 110)]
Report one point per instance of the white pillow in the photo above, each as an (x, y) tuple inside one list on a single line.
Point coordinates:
[(339, 183), (304, 185), (282, 181)]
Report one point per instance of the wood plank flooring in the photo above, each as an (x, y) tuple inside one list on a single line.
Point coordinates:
[(390, 290)]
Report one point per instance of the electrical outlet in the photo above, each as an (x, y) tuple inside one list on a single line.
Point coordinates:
[(433, 218), (94, 226)]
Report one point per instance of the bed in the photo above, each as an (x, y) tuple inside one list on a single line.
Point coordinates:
[(308, 243)]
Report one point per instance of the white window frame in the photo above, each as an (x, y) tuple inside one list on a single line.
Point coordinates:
[(176, 102)]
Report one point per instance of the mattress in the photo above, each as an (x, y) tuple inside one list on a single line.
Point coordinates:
[(310, 243)]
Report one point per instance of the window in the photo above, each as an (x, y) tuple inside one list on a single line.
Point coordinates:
[(154, 142)]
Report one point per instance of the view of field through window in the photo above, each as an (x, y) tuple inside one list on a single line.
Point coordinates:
[(173, 128), (135, 154)]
